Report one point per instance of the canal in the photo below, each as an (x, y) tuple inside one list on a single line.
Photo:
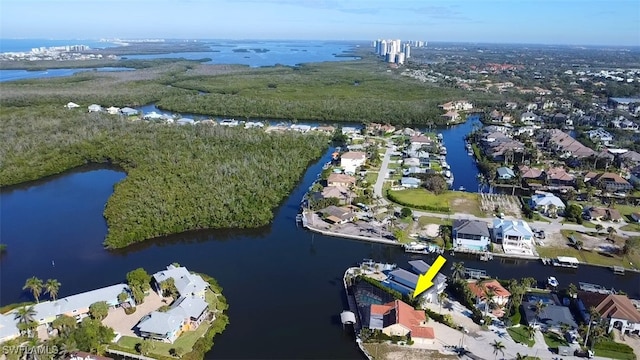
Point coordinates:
[(283, 283)]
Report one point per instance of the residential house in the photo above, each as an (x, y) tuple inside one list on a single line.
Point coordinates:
[(411, 162), (483, 289), (552, 316), (327, 129), (559, 141), (72, 105), (496, 116), (459, 105), (600, 135), (451, 116), (627, 124), (511, 105), (76, 306), (439, 282), (342, 180), (618, 310), (631, 158), (95, 108), (611, 182), (529, 117), (470, 234), (505, 173), (558, 176), (397, 318), (547, 204), (185, 314), (113, 110), (338, 215), (343, 194), (186, 283), (513, 233), (414, 170), (127, 111), (351, 160), (419, 140), (634, 175), (410, 182), (530, 173), (602, 214), (348, 130)]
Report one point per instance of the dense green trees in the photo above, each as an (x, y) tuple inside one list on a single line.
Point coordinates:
[(139, 282), (99, 310), (179, 177)]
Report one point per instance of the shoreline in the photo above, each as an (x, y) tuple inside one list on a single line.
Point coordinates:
[(395, 243)]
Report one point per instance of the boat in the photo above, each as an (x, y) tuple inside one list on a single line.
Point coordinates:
[(229, 122), (415, 246), (447, 173), (443, 151), (470, 153), (469, 147), (462, 188), (551, 281), (440, 137)]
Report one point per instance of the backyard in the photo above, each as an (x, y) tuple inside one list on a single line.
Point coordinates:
[(519, 335), (453, 201)]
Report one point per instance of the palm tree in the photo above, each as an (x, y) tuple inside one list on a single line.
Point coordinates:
[(67, 348), (611, 230), (598, 227), (458, 270), (573, 290), (442, 297), (520, 357), (51, 287), (498, 347), (538, 307), (530, 331), (489, 294), (34, 285), (26, 317)]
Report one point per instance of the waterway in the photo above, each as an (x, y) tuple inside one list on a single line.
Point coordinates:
[(283, 283), (13, 75)]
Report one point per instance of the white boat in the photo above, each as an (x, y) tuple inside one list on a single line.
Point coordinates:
[(443, 151), (551, 281), (415, 246), (440, 137), (462, 188), (447, 173), (229, 122)]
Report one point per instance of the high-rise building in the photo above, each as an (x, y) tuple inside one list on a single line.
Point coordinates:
[(407, 51), (400, 58)]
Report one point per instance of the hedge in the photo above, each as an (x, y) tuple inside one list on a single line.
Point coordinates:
[(441, 209)]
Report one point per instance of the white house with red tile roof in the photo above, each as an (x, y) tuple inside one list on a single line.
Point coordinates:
[(397, 318), (500, 295)]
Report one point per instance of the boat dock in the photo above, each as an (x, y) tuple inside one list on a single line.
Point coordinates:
[(477, 274), (595, 288), (562, 261), (427, 251), (482, 255), (618, 270)]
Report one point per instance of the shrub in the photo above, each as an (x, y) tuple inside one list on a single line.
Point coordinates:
[(130, 310)]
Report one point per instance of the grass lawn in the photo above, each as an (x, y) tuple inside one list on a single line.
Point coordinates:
[(587, 224), (519, 335), (554, 340), (538, 217), (631, 226), (457, 201), (371, 177), (393, 165), (384, 351), (590, 257), (426, 220), (614, 355)]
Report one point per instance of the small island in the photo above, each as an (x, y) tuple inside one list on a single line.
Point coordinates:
[(173, 313)]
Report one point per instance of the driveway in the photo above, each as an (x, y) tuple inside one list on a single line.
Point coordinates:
[(384, 168), (123, 324)]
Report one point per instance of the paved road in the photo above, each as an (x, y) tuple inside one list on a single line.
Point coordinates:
[(377, 188)]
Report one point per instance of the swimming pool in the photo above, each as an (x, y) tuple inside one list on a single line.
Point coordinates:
[(544, 298)]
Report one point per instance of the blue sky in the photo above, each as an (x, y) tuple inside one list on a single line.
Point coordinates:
[(588, 22)]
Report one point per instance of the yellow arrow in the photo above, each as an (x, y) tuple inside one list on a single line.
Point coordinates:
[(425, 281)]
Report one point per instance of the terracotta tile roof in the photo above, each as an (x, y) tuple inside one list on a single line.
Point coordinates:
[(478, 288), (618, 306), (341, 178), (611, 177), (406, 316), (529, 173), (559, 173)]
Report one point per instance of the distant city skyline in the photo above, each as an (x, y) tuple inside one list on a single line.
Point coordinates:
[(571, 22)]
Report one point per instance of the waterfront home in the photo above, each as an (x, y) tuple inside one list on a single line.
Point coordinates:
[(551, 317), (301, 128), (229, 122), (439, 282), (397, 318), (410, 182), (185, 314), (617, 310), (489, 292), (351, 160), (343, 194), (76, 306), (113, 110), (343, 180), (326, 129), (515, 235), (72, 105), (185, 121), (95, 108), (347, 130), (547, 204), (338, 215), (253, 124), (505, 173), (411, 162), (127, 111), (630, 158), (458, 105), (608, 181), (529, 118), (414, 170), (602, 214), (419, 140), (470, 234), (451, 116)]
